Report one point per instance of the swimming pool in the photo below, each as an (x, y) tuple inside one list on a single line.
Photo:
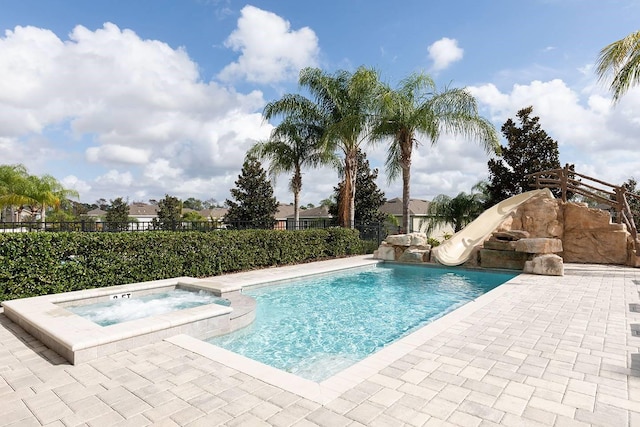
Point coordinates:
[(318, 326)]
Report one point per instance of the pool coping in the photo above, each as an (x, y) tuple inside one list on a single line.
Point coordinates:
[(327, 390)]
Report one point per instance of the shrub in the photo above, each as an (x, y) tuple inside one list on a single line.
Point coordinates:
[(45, 263)]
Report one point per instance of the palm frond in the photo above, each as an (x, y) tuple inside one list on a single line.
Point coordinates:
[(620, 62)]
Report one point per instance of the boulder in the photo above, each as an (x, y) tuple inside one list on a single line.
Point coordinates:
[(509, 235), (500, 245), (539, 246), (385, 252), (411, 239), (414, 256), (511, 260), (398, 240), (547, 265), (417, 239)]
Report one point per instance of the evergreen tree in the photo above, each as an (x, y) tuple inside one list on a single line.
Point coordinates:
[(254, 205), (193, 203), (634, 203), (529, 150), (117, 215), (169, 213), (369, 198)]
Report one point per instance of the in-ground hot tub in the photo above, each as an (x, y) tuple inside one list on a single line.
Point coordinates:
[(50, 319)]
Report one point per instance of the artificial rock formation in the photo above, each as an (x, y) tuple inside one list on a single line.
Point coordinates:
[(411, 248), (590, 237), (537, 237)]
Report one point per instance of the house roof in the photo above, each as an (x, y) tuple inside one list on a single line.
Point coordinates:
[(319, 212), (416, 207), (284, 211), (142, 209)]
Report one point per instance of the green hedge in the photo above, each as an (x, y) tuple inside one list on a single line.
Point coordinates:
[(44, 263)]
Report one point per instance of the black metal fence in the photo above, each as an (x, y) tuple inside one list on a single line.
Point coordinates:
[(368, 231)]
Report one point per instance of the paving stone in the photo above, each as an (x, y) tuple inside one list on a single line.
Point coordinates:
[(325, 418), (481, 411), (365, 412), (511, 404), (460, 418)]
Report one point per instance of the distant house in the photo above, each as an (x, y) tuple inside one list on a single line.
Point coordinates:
[(417, 212), (96, 213), (141, 213), (310, 218), (418, 216), (282, 216), (214, 215)]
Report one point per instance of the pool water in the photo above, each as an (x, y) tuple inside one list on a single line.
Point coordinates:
[(122, 310), (317, 327)]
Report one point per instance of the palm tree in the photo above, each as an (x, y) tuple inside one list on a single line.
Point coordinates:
[(417, 108), (344, 101), (621, 60), (13, 182), (458, 211), (45, 191), (294, 144)]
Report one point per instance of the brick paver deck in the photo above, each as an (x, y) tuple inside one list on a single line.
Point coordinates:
[(552, 351)]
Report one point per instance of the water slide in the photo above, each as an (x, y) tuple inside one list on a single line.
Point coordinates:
[(458, 248)]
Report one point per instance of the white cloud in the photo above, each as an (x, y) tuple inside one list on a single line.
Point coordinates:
[(113, 177), (161, 169), (444, 52), (270, 51), (117, 154), (72, 182), (123, 101)]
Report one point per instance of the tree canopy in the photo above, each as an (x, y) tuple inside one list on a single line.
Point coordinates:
[(529, 149), (457, 211), (20, 190), (254, 205), (416, 108), (294, 143), (117, 216), (169, 213), (342, 103)]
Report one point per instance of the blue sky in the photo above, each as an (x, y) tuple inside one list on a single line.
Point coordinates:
[(138, 99)]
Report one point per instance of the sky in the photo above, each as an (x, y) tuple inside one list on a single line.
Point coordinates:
[(139, 99)]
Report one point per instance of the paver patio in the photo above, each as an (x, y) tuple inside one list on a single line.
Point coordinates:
[(553, 351)]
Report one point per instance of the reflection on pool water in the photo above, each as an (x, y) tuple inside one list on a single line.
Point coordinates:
[(122, 310), (318, 326)]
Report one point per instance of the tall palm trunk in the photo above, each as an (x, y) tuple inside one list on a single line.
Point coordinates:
[(296, 187), (343, 205), (406, 177), (405, 164), (348, 210)]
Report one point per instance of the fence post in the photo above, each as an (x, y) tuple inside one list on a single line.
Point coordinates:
[(564, 178), (620, 199)]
